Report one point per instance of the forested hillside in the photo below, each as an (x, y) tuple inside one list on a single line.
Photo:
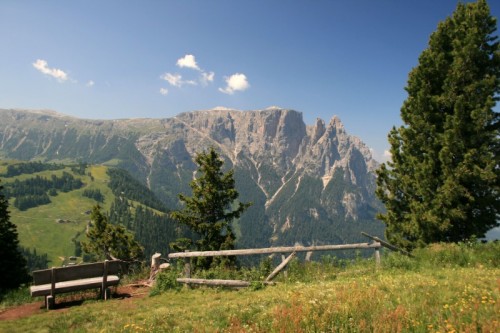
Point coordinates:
[(51, 203)]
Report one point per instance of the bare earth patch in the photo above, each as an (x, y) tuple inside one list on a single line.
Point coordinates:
[(63, 303)]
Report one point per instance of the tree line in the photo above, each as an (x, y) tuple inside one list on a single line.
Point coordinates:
[(14, 170), (94, 193), (35, 191)]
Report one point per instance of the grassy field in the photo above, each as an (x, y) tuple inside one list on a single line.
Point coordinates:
[(38, 227), (446, 288)]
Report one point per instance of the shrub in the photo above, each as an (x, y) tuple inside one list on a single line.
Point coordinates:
[(166, 280)]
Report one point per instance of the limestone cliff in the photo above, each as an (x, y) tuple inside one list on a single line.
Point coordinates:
[(309, 184)]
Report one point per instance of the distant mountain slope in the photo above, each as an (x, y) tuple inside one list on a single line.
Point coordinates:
[(309, 184), (55, 226)]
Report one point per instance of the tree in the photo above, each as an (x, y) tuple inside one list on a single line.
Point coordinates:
[(108, 241), (12, 263), (212, 208), (443, 181)]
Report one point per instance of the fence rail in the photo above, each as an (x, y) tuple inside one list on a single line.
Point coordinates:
[(271, 250)]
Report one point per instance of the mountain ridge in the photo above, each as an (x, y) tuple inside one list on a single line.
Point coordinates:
[(296, 174)]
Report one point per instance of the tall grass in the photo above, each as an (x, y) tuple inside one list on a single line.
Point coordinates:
[(14, 297), (445, 288)]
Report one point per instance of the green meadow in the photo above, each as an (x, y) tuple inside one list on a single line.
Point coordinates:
[(445, 288), (50, 228)]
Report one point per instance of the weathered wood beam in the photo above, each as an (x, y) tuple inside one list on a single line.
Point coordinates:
[(280, 267), (269, 250), (215, 282), (386, 244)]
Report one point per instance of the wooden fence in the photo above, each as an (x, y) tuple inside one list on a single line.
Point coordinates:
[(376, 244)]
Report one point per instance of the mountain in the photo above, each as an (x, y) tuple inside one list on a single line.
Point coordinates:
[(308, 184)]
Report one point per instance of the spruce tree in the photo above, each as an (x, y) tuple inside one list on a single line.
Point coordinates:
[(12, 263), (211, 209), (443, 181), (109, 241)]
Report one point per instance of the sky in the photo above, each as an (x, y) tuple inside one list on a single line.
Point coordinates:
[(155, 59)]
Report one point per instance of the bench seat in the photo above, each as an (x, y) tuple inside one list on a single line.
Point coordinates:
[(74, 285)]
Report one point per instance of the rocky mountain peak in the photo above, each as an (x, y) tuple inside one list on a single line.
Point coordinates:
[(287, 168)]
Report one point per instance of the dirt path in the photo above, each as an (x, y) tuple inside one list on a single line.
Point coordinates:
[(63, 303)]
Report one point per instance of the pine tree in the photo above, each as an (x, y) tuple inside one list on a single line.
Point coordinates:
[(12, 263), (108, 241), (443, 181), (212, 208)]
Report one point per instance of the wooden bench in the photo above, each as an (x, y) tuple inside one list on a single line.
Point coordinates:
[(59, 280)]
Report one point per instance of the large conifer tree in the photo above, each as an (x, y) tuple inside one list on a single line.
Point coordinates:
[(212, 207), (443, 181), (12, 263)]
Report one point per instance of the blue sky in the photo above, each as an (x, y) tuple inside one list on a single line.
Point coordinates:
[(155, 59)]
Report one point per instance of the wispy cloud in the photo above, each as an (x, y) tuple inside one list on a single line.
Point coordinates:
[(173, 79), (235, 82), (42, 66), (207, 77), (90, 83), (164, 91), (188, 61)]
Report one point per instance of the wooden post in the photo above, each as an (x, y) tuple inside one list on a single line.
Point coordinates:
[(155, 265), (377, 257), (187, 269), (155, 261)]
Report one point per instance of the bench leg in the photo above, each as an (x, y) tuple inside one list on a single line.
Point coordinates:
[(107, 293), (49, 302)]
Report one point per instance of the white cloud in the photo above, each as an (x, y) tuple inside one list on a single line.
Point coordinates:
[(207, 77), (90, 83), (177, 81), (163, 91), (43, 67), (174, 79), (188, 61), (236, 82), (385, 157)]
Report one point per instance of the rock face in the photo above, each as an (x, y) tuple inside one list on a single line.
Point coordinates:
[(309, 184)]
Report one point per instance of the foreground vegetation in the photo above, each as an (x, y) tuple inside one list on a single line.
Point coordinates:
[(445, 288)]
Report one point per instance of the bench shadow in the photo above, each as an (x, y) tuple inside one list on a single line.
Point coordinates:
[(78, 299), (121, 295), (65, 304)]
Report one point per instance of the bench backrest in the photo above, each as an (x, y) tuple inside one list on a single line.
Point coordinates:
[(75, 272)]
